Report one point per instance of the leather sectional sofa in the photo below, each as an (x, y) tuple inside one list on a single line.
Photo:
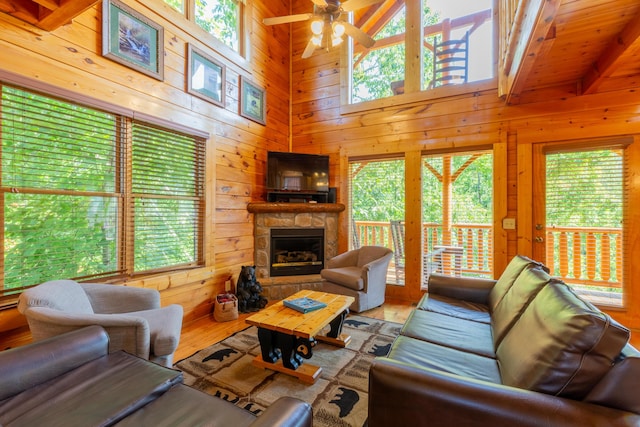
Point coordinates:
[(520, 351), (72, 380)]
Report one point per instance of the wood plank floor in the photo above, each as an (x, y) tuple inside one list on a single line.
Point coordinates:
[(206, 331)]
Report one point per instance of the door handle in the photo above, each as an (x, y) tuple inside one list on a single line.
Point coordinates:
[(539, 239)]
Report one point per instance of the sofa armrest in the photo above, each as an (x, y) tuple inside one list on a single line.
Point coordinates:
[(423, 396), (110, 299), (286, 412), (472, 289), (126, 332), (24, 367), (374, 273)]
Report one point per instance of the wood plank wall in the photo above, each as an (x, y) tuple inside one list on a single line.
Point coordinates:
[(70, 58), (414, 123)]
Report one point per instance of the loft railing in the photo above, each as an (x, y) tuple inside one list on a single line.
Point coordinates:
[(589, 257)]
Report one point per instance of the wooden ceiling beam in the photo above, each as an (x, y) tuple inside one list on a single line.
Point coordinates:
[(67, 10), (627, 41), (529, 40)]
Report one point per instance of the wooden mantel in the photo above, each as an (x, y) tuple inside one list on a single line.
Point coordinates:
[(265, 207)]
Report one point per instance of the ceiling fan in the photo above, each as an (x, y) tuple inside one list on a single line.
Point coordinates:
[(328, 23)]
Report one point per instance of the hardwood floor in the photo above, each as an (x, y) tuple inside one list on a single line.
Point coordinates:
[(206, 331)]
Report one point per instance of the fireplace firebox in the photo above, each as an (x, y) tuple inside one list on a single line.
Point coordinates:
[(296, 251)]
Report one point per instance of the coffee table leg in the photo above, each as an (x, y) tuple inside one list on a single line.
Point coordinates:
[(336, 324), (268, 345), (290, 358)]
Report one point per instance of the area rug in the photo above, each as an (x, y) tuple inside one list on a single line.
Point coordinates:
[(339, 395)]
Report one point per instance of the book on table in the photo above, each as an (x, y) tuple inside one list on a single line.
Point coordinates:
[(304, 304)]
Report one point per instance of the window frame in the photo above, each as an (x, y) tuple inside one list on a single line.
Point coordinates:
[(124, 245), (241, 57), (413, 70)]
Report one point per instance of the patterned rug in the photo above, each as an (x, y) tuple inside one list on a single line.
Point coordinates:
[(338, 397)]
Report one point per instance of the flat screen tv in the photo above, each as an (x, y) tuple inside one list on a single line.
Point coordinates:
[(297, 172)]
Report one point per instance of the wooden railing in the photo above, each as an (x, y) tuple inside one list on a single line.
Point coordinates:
[(475, 239), (586, 256)]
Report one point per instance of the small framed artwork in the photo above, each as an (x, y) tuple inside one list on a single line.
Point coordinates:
[(253, 102), (205, 76), (132, 40)]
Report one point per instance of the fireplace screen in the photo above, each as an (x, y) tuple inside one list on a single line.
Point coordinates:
[(296, 251)]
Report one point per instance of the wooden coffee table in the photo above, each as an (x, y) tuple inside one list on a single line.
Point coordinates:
[(288, 336)]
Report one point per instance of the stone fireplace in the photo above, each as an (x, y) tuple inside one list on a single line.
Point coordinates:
[(305, 222)]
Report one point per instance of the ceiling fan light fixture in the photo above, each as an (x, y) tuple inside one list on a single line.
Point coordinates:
[(316, 40), (317, 26), (338, 29)]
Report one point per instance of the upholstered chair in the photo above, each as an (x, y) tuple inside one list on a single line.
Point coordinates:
[(131, 316), (360, 273)]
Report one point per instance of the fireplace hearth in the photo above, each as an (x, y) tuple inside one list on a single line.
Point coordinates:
[(296, 251)]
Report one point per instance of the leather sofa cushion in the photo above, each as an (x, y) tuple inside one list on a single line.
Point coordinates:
[(429, 355), (460, 334), (516, 299), (504, 283), (99, 392), (455, 308), (561, 345), (185, 406), (350, 277)]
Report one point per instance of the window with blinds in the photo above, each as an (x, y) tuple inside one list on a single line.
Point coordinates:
[(457, 214), (377, 207), (584, 214), (75, 204)]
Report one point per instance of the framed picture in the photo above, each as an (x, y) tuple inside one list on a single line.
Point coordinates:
[(253, 102), (132, 40), (205, 76)]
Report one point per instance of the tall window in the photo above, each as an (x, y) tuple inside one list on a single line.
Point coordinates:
[(464, 28), (457, 214), (376, 200), (220, 18), (87, 193), (583, 236)]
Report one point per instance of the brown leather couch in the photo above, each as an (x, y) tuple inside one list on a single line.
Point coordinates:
[(72, 380), (520, 351)]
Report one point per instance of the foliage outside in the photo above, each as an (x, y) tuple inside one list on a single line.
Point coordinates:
[(63, 208)]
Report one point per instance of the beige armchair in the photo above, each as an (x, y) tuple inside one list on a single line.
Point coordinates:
[(131, 316), (360, 273)]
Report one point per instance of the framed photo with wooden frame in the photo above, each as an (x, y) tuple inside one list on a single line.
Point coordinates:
[(131, 39), (205, 76), (253, 101)]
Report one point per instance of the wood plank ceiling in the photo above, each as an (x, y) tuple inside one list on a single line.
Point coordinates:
[(591, 46), (46, 14)]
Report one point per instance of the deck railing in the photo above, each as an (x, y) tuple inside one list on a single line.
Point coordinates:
[(590, 257), (585, 256)]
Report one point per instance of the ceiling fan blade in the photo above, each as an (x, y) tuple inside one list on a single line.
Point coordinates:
[(352, 5), (287, 19), (321, 3), (355, 32), (308, 51)]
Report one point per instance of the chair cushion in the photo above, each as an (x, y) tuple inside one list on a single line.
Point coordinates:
[(351, 277), (560, 345), (63, 295)]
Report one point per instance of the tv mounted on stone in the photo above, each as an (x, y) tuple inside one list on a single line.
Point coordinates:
[(297, 177)]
